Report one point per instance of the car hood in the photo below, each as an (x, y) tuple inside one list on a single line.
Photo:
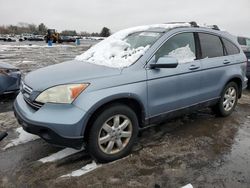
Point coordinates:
[(67, 72)]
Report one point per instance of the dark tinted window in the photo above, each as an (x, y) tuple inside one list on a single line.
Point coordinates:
[(180, 46), (242, 41), (247, 54), (230, 47), (211, 45)]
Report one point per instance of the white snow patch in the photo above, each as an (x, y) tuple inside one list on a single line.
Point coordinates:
[(6, 47), (183, 54), (188, 186), (23, 137), (115, 52), (59, 155), (84, 170)]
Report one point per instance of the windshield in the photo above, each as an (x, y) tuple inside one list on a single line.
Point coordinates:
[(125, 47), (120, 52), (141, 39)]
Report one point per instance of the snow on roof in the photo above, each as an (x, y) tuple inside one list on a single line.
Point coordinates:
[(115, 52)]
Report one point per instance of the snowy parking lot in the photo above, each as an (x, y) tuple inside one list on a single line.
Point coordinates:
[(198, 149)]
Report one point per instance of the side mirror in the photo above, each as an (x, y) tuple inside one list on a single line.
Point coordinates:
[(165, 62)]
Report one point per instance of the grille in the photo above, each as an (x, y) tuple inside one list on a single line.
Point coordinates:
[(26, 91), (25, 88)]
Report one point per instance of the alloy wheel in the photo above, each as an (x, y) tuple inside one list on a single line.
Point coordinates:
[(115, 134), (229, 99)]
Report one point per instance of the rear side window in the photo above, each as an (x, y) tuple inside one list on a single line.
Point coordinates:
[(230, 47), (211, 45)]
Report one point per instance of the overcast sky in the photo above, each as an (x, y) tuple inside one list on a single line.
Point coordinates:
[(92, 15)]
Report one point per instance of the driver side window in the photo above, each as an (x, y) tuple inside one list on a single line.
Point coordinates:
[(180, 46)]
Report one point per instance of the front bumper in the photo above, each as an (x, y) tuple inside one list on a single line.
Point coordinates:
[(58, 124)]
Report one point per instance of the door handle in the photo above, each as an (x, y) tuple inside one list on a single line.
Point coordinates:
[(193, 67), (226, 62)]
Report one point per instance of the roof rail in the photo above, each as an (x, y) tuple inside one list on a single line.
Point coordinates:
[(214, 27), (194, 24)]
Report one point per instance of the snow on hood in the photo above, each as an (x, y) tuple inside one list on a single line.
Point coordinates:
[(183, 54), (115, 52)]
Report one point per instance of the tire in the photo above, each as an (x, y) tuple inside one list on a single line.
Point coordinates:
[(104, 127), (221, 107)]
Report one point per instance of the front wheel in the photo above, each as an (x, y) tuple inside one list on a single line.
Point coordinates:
[(228, 100), (113, 133)]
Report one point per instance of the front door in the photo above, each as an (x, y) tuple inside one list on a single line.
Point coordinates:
[(170, 89)]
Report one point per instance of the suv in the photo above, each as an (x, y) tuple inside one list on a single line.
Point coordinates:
[(135, 78)]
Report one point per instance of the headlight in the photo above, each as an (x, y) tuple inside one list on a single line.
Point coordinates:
[(62, 93)]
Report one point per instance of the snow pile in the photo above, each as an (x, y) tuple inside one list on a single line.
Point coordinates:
[(188, 186), (23, 137), (183, 54), (84, 170), (59, 155), (115, 52)]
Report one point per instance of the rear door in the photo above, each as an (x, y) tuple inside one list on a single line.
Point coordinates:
[(170, 89), (214, 62)]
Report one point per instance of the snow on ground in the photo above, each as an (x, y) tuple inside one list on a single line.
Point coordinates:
[(23, 137), (188, 186), (59, 155), (115, 51), (84, 170)]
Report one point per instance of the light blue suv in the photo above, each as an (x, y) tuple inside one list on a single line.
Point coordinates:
[(137, 77)]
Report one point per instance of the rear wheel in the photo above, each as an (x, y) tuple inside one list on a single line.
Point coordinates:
[(228, 100), (113, 133)]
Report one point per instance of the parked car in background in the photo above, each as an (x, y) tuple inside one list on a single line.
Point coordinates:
[(2, 38), (247, 53), (10, 78), (244, 43), (36, 38), (134, 78), (10, 39), (67, 39)]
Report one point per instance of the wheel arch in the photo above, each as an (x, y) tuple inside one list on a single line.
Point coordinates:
[(134, 103), (238, 81)]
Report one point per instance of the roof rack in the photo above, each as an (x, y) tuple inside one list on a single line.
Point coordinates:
[(194, 24), (215, 27)]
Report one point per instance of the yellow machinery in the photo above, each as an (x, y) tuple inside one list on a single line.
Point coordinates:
[(53, 36)]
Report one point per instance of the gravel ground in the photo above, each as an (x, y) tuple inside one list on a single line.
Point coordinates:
[(198, 148)]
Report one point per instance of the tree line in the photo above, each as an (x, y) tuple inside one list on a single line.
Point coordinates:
[(41, 29)]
